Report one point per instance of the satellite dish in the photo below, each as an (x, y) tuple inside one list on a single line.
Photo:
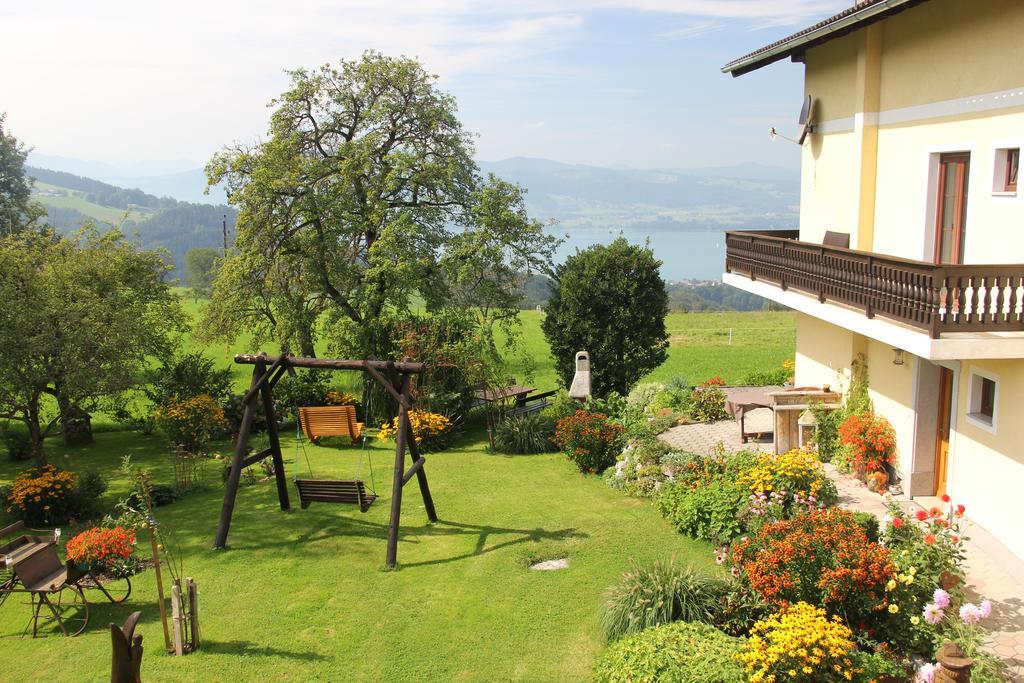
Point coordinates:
[(806, 127)]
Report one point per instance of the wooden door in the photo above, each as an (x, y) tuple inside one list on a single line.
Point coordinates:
[(945, 413), (951, 213)]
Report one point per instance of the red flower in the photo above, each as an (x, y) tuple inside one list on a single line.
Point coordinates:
[(935, 512), (929, 539), (954, 538), (897, 523), (945, 498), (960, 510), (921, 515)]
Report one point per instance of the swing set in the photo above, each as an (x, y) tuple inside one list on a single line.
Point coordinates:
[(394, 377)]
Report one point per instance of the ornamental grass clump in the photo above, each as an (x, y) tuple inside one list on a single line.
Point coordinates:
[(822, 558), (590, 440), (681, 652), (659, 594), (800, 643)]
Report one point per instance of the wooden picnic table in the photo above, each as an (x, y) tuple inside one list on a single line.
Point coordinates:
[(515, 391), (738, 403)]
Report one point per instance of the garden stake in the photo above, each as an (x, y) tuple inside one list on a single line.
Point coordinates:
[(160, 588)]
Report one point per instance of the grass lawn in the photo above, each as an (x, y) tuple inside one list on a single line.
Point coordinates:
[(302, 595)]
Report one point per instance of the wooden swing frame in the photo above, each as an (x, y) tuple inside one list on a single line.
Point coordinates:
[(396, 379)]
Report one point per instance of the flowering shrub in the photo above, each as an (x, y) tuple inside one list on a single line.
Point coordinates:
[(340, 398), (871, 440), (707, 404), (823, 558), (799, 643), (425, 426), (590, 440), (190, 423), (43, 495), (797, 472), (643, 466), (102, 548)]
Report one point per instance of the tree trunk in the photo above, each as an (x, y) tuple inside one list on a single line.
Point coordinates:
[(35, 432), (76, 424), (306, 347)]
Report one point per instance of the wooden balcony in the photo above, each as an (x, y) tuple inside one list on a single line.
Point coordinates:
[(937, 299)]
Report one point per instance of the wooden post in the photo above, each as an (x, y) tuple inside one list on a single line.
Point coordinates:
[(396, 485), (159, 587), (193, 611), (177, 617), (421, 479), (231, 488), (126, 659), (275, 447)]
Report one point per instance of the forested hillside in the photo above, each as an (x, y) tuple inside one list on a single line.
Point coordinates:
[(158, 222)]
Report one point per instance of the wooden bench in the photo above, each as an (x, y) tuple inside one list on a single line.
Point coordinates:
[(348, 491), (330, 421), (531, 403)]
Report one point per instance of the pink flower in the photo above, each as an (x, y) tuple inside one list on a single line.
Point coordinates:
[(970, 613), (926, 674), (735, 571), (985, 608), (941, 598), (933, 614)]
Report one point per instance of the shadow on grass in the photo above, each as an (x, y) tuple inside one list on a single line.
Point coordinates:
[(330, 528), (247, 649)]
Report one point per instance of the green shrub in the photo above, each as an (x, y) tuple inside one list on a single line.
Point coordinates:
[(709, 511), (740, 608), (826, 430), (307, 388), (18, 442), (590, 440), (524, 434), (876, 666), (674, 653), (188, 375), (639, 470), (761, 378), (868, 522), (707, 402), (659, 594), (644, 394)]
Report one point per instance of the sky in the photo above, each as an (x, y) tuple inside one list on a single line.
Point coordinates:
[(632, 83)]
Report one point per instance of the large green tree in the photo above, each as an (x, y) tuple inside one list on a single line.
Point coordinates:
[(611, 302), (364, 200), (17, 210), (200, 270), (82, 316)]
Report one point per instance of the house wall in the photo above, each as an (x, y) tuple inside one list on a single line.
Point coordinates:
[(891, 388), (987, 469), (823, 353)]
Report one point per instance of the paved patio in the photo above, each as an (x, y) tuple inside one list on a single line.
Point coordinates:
[(993, 572)]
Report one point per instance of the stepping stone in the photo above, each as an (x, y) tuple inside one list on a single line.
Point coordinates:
[(550, 565)]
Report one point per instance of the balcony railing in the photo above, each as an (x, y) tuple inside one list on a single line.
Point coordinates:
[(936, 298)]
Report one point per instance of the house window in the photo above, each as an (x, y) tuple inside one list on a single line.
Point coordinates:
[(983, 400), (1004, 180), (1012, 164)]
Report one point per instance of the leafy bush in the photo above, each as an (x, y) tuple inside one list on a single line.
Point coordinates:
[(234, 410), (676, 395), (589, 440), (740, 608), (707, 403), (303, 389), (674, 653), (191, 374), (159, 494), (709, 511), (659, 594), (871, 440), (762, 378), (524, 434), (822, 558), (799, 643), (429, 430), (826, 430), (190, 423), (619, 410), (18, 442), (868, 522), (644, 394)]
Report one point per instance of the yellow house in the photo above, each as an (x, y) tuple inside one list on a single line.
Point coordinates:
[(911, 154)]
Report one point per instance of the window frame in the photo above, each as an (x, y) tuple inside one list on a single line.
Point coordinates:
[(976, 399), (1012, 169)]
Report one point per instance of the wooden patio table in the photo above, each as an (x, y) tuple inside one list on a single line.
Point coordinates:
[(737, 404)]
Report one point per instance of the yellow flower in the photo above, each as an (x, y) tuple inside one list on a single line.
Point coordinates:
[(894, 608), (892, 584)]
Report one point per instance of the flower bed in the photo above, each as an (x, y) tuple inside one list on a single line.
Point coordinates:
[(588, 439)]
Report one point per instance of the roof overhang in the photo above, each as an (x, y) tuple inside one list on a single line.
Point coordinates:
[(847, 21)]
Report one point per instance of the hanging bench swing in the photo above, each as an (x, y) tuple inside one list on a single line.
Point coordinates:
[(332, 421), (394, 377)]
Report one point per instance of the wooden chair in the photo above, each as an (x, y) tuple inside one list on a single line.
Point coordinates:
[(348, 491), (330, 421), (836, 239), (126, 660), (44, 576)]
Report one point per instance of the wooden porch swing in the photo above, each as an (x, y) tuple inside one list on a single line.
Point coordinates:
[(395, 377)]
